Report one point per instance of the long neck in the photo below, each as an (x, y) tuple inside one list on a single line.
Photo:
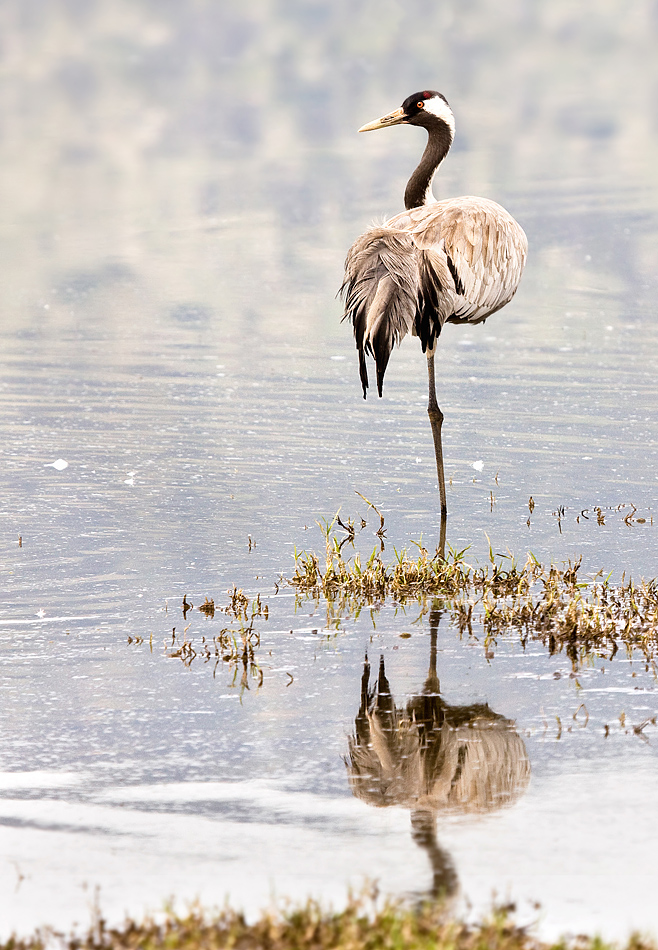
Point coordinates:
[(419, 187)]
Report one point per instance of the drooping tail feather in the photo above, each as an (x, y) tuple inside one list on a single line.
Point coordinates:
[(381, 293)]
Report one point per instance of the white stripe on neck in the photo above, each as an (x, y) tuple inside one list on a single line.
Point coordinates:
[(440, 108)]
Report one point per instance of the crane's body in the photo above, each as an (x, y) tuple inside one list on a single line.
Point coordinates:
[(456, 261)]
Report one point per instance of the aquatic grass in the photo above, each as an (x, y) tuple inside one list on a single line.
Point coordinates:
[(584, 616), (555, 603), (361, 925)]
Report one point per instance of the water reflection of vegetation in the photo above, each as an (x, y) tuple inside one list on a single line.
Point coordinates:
[(554, 604), (234, 646), (432, 757)]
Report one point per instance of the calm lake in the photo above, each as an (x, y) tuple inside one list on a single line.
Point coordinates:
[(180, 405)]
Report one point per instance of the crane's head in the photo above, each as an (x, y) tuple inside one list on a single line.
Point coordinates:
[(427, 109)]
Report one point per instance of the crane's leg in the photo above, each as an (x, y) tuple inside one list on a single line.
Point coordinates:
[(436, 421), (445, 882), (435, 620)]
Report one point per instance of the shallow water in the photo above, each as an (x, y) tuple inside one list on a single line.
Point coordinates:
[(179, 190)]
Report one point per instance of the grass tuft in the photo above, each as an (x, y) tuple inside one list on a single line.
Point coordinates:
[(390, 926), (552, 603)]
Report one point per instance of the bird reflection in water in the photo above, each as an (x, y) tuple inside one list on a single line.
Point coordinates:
[(432, 757)]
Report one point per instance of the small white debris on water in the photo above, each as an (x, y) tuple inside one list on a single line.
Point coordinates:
[(479, 465), (418, 460), (59, 464), (41, 614)]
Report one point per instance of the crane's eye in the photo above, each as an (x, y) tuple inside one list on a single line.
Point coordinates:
[(420, 105)]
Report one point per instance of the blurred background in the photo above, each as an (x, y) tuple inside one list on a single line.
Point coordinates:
[(125, 125)]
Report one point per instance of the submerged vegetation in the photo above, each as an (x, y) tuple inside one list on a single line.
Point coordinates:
[(360, 926)]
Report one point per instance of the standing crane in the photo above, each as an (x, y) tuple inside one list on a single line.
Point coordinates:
[(455, 261)]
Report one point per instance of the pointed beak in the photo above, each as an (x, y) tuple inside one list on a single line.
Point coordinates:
[(393, 118)]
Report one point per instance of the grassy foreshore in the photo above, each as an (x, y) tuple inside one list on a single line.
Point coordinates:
[(360, 926)]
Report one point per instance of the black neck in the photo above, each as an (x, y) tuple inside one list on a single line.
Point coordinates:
[(418, 189)]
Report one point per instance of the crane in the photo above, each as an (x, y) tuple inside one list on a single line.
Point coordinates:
[(452, 261)]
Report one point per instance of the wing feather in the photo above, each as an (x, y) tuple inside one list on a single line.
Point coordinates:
[(457, 260), (381, 294), (483, 245)]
